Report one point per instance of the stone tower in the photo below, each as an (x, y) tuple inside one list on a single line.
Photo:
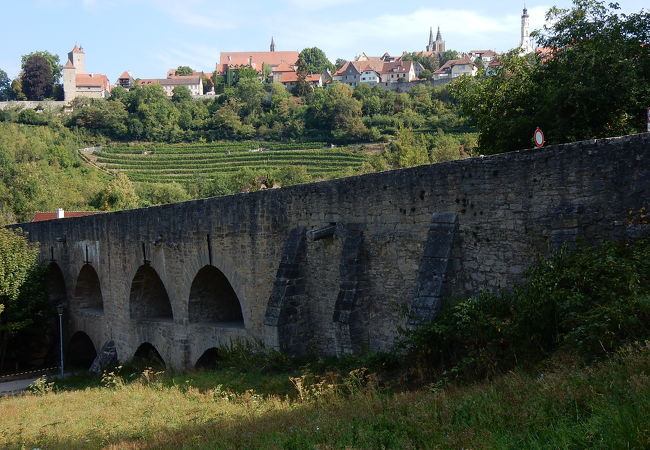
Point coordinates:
[(525, 46), (440, 43), (437, 46), (431, 46), (272, 44), (78, 59)]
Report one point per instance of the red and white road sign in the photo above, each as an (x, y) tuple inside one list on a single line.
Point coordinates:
[(538, 136)]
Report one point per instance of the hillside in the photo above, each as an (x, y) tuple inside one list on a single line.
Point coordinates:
[(185, 163)]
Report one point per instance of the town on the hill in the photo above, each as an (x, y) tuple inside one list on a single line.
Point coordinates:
[(435, 65)]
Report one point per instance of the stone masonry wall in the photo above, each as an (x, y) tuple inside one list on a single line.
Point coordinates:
[(327, 267)]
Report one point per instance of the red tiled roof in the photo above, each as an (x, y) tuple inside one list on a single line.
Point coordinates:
[(258, 59), (124, 75), (292, 77), (77, 49), (41, 216), (283, 67), (69, 65), (92, 80)]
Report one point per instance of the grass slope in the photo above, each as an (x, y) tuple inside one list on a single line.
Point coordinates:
[(606, 405)]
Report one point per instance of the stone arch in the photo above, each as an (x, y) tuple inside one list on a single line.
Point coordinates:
[(148, 298), (148, 355), (88, 291), (209, 359), (56, 290), (80, 351), (213, 299)]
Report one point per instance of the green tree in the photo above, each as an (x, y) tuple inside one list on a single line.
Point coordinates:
[(448, 55), (119, 194), (52, 60), (315, 60), (37, 78), (5, 87), (607, 96), (181, 94), (17, 261), (184, 71), (152, 194), (108, 117), (17, 89), (302, 87), (339, 63)]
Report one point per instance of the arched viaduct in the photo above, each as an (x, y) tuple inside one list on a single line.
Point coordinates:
[(330, 267)]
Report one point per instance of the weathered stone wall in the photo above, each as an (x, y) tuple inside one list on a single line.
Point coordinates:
[(385, 240)]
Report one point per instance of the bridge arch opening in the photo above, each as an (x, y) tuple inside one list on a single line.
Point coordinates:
[(80, 352), (148, 298), (147, 356), (56, 290), (213, 300), (88, 292), (209, 359)]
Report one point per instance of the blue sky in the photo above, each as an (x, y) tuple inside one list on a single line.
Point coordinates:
[(147, 37)]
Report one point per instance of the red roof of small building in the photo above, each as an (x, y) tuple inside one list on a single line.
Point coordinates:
[(284, 67), (92, 80), (41, 216), (125, 75), (292, 77)]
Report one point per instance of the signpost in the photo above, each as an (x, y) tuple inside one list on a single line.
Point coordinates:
[(538, 136)]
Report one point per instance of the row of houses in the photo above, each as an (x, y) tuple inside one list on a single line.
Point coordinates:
[(281, 66)]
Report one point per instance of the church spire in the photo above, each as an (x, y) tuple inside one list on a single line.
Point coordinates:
[(439, 35), (272, 44), (430, 36)]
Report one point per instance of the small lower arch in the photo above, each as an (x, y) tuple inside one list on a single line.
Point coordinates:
[(147, 356), (80, 352), (209, 359)]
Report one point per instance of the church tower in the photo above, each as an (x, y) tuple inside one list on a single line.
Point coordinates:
[(440, 43), (272, 44), (437, 46), (525, 46), (431, 46), (77, 57)]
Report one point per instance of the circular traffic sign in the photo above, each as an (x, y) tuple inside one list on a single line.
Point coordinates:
[(538, 137)]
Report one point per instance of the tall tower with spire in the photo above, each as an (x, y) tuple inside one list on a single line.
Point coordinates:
[(272, 44), (437, 46), (525, 46)]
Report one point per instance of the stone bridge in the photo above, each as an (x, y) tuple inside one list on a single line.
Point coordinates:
[(331, 267)]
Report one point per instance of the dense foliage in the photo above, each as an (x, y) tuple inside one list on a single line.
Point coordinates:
[(592, 81), (22, 294), (589, 301), (40, 170), (253, 109)]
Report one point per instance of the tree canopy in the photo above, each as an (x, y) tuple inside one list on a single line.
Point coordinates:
[(184, 71), (315, 60), (52, 60), (5, 87), (37, 78), (593, 81)]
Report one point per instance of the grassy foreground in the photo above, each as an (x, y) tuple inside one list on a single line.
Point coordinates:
[(559, 405)]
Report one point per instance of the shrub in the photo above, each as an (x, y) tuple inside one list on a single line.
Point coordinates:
[(589, 301)]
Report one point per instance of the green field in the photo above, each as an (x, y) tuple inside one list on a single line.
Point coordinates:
[(189, 162)]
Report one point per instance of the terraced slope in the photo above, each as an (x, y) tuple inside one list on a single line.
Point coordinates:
[(188, 162)]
